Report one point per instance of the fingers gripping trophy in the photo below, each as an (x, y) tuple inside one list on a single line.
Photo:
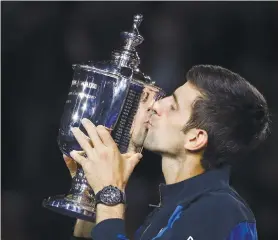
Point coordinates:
[(115, 94)]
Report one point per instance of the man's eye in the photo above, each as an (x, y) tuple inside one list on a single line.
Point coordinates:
[(173, 107)]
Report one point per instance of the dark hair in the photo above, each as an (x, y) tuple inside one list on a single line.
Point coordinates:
[(233, 113)]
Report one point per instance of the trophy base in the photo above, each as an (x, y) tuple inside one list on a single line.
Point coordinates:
[(63, 205)]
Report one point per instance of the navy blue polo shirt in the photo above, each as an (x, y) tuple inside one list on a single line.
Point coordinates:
[(203, 207)]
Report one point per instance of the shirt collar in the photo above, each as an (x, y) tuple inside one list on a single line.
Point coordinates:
[(211, 179)]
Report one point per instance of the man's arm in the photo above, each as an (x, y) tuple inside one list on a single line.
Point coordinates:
[(104, 165), (83, 229), (244, 230), (110, 223), (109, 212)]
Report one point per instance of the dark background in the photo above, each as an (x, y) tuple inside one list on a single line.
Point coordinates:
[(40, 41)]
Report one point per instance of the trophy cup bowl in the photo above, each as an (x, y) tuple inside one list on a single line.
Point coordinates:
[(115, 94)]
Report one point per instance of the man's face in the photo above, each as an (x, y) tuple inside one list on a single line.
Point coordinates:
[(165, 133)]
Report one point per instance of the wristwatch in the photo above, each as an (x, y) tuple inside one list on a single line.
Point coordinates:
[(110, 196)]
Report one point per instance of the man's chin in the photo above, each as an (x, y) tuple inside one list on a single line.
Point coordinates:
[(149, 145), (152, 149)]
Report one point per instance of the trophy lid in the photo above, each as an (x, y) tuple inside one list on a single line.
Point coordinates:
[(127, 56), (133, 38), (124, 61)]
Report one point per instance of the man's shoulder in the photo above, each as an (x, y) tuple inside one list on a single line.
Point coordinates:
[(217, 213), (224, 205), (227, 202)]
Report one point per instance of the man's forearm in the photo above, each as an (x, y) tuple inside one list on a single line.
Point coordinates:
[(83, 229), (107, 212), (110, 224)]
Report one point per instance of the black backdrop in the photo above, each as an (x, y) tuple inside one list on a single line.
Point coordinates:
[(40, 41)]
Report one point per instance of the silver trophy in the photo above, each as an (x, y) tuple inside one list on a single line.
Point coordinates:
[(115, 94)]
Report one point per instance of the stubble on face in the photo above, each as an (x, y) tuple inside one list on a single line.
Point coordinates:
[(166, 135)]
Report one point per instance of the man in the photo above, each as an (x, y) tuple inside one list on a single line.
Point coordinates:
[(212, 120)]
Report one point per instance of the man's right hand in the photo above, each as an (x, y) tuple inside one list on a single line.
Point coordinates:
[(82, 228)]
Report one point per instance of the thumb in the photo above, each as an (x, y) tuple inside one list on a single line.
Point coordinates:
[(134, 160), (127, 155)]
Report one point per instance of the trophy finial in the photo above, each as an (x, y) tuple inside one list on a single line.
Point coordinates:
[(137, 19), (128, 56)]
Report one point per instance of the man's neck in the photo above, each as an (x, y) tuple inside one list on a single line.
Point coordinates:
[(182, 168)]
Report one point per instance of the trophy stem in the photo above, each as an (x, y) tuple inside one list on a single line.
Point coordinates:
[(78, 203)]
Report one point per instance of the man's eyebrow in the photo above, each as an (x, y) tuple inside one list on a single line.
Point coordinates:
[(175, 98)]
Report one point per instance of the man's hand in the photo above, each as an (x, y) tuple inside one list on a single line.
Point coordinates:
[(71, 164), (82, 228), (104, 164)]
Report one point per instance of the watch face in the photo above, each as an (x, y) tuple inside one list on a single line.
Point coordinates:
[(110, 195)]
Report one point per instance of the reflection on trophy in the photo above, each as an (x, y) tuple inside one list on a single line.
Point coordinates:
[(115, 94)]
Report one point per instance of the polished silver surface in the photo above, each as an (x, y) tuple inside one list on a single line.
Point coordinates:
[(127, 56), (115, 94), (78, 203), (73, 208)]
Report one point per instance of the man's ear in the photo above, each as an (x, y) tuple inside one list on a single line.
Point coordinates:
[(195, 139)]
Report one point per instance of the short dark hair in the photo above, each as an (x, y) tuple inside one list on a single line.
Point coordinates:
[(233, 113)]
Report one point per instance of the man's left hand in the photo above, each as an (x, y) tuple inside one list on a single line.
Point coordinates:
[(104, 164)]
